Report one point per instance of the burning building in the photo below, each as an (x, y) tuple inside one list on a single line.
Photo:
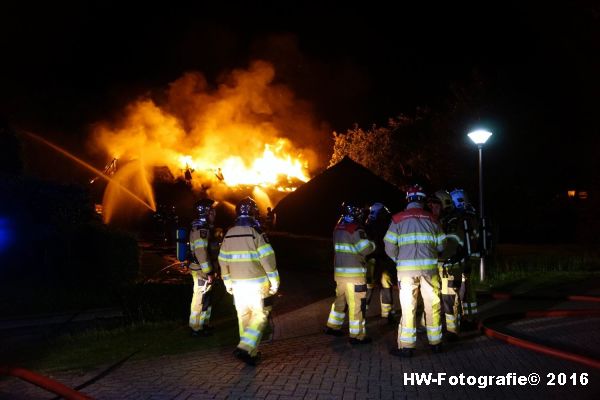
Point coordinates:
[(246, 135)]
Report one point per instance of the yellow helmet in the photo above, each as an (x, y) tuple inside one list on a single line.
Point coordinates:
[(444, 197)]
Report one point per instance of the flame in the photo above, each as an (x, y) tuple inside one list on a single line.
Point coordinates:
[(186, 162), (245, 132), (274, 168)]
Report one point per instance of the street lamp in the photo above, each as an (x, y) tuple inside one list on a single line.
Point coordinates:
[(479, 137)]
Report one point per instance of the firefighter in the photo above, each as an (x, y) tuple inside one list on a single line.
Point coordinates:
[(202, 267), (451, 261), (468, 218), (435, 206), (270, 219), (249, 272), (351, 246), (379, 265), (414, 240)]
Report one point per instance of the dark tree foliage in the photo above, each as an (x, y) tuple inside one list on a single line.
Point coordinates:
[(427, 146), (56, 248), (406, 150)]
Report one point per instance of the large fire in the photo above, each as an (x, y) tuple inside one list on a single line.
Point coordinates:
[(275, 168), (237, 134)]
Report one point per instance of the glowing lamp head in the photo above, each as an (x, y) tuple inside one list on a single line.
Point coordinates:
[(480, 136)]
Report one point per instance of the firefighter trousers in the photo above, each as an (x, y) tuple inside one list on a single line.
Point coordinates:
[(468, 297), (350, 293), (410, 287), (201, 303), (385, 293), (251, 312), (451, 278)]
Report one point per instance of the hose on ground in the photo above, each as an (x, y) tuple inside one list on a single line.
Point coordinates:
[(484, 325)]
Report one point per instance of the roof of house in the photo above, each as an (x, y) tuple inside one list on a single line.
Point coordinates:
[(314, 207)]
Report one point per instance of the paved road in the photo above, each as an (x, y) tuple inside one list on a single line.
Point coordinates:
[(302, 363)]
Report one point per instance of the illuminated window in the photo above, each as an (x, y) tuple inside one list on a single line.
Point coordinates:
[(571, 193), (583, 195)]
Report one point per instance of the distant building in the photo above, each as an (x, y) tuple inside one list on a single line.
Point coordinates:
[(314, 207)]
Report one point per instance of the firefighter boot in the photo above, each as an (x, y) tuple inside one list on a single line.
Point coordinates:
[(334, 332), (201, 333), (402, 353), (436, 348), (364, 340), (244, 356)]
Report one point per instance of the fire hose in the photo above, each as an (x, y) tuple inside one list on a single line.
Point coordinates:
[(154, 275), (44, 382), (538, 347)]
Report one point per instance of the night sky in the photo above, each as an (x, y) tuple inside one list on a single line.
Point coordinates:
[(66, 67)]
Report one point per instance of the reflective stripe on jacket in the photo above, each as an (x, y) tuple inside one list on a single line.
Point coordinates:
[(454, 229), (246, 255), (351, 247), (413, 240), (199, 247)]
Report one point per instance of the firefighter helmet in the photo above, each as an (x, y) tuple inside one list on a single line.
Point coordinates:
[(203, 206), (459, 198), (377, 210), (415, 193), (445, 199), (205, 213), (432, 200), (247, 208), (351, 212)]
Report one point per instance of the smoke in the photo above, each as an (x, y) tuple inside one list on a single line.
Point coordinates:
[(215, 131)]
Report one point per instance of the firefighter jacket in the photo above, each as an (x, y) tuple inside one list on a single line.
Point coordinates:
[(199, 245), (247, 256), (471, 224), (413, 240), (351, 247), (455, 250), (376, 231)]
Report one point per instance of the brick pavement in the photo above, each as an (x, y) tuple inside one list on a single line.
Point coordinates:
[(303, 364)]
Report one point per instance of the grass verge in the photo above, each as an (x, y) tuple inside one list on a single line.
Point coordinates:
[(101, 347), (520, 282)]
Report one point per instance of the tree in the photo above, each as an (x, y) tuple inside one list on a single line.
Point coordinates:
[(406, 150), (430, 146)]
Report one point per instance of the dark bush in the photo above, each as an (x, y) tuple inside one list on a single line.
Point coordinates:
[(103, 257), (57, 255)]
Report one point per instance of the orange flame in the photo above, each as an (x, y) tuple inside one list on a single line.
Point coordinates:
[(237, 134), (275, 166)]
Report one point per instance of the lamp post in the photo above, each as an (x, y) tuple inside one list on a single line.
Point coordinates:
[(479, 137)]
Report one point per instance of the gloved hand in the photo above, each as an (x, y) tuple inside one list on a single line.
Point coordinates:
[(228, 287), (274, 284), (210, 278)]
